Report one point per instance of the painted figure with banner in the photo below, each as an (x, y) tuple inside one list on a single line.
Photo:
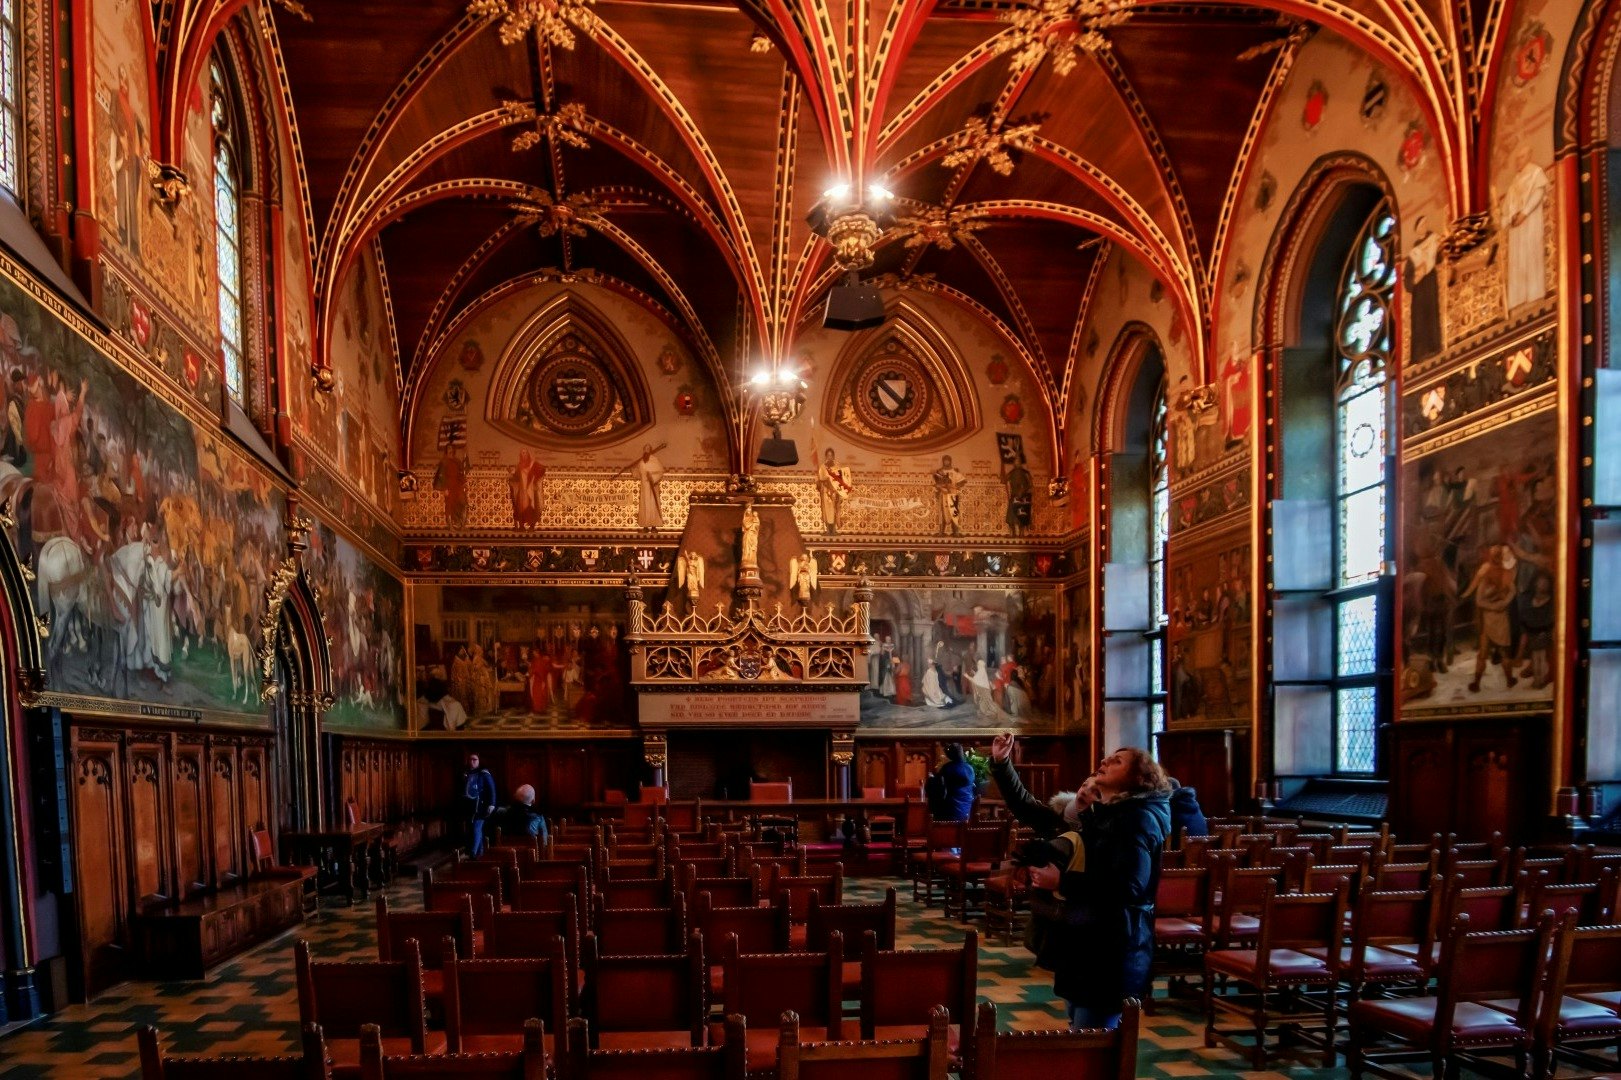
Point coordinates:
[(949, 483), (834, 484), (1020, 491)]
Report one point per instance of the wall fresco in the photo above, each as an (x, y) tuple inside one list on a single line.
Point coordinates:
[(151, 540), (1208, 636), (363, 607)]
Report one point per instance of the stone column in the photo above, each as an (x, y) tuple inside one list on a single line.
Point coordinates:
[(844, 753)]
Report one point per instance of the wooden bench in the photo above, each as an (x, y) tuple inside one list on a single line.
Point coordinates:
[(183, 939)]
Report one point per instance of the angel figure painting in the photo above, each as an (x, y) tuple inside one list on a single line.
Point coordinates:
[(689, 575)]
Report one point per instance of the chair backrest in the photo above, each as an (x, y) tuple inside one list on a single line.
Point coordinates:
[(640, 931), (1395, 917), (681, 816), (800, 888), (687, 850), (655, 796), (1320, 878), (634, 892), (310, 1064), (663, 993), (913, 819), (769, 866), (1592, 960), (1300, 921), (944, 834), (486, 879), (901, 986), (1495, 907), (1498, 966), (1590, 902), (580, 1061), (1243, 892), (344, 996), (527, 935), (528, 1063), (1475, 873), (1182, 892), (1091, 1054), (1404, 876), (726, 891), (454, 895), (760, 986), (264, 850), (888, 1059), (565, 871), (572, 896), (871, 793), (717, 865), (427, 928), (771, 792), (497, 997), (758, 929), (851, 920), (984, 843)]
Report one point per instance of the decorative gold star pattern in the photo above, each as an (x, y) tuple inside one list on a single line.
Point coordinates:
[(989, 141), (1061, 29), (569, 216), (565, 125), (937, 225), (553, 20)]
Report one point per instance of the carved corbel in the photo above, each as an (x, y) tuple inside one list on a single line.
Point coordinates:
[(844, 750), (169, 184), (1466, 234), (655, 751)]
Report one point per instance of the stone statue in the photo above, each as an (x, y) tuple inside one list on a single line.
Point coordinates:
[(802, 576), (750, 538), (689, 574)]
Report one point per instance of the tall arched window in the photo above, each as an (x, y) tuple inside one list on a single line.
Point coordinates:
[(228, 230), (1363, 343), (11, 124), (1159, 509)]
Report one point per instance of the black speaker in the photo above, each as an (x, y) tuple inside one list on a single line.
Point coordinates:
[(778, 451), (853, 306)]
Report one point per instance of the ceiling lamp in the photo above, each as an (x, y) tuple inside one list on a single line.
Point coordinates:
[(853, 224), (782, 398)]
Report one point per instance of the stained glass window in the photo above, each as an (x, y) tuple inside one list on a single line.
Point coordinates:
[(1364, 338), (10, 99), (1159, 480), (228, 232)]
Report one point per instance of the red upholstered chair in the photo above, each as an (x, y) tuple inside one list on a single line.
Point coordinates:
[(922, 1058), (1237, 896), (266, 866), (1049, 1055), (1295, 961), (343, 997), (725, 891), (310, 1064), (1181, 925), (1504, 968), (798, 889), (771, 792), (646, 1001), (899, 988), (455, 895), (528, 1062), (757, 930), (1591, 902), (640, 931), (1581, 1007), (854, 922), (983, 849), (487, 1002), (582, 1061), (1392, 937), (572, 896), (764, 985), (941, 842), (429, 929)]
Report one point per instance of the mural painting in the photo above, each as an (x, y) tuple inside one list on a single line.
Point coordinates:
[(151, 542), (1479, 605), (1208, 604), (1077, 681), (962, 660), (518, 659), (363, 607)]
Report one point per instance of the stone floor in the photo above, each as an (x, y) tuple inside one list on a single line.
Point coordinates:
[(250, 1005)]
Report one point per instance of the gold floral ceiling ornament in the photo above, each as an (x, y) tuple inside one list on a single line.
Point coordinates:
[(938, 225), (989, 141), (565, 125), (1061, 29), (553, 20), (569, 216), (1299, 31)]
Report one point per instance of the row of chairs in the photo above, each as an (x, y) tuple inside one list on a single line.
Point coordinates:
[(992, 1055)]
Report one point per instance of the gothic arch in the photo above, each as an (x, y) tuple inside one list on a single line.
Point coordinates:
[(22, 675), (296, 673), (1131, 347)]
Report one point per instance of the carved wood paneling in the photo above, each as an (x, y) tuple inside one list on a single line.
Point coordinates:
[(225, 813), (151, 853), (192, 867), (1473, 777), (98, 820)]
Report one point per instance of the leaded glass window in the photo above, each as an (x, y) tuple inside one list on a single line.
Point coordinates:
[(1159, 502), (10, 99), (228, 232), (1364, 338)]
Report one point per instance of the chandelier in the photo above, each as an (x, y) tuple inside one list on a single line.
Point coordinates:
[(553, 20), (1062, 29)]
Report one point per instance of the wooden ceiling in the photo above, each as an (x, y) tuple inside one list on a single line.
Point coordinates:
[(692, 137)]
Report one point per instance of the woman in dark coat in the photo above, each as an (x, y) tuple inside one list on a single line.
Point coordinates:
[(1101, 947)]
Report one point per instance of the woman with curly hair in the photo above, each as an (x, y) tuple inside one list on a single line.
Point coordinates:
[(1100, 940)]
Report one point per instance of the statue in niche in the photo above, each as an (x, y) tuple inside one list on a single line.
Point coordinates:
[(750, 539), (689, 574), (802, 576)]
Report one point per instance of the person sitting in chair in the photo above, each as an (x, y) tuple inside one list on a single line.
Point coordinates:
[(521, 818)]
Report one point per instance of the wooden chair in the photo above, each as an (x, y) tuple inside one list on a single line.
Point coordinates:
[(1239, 895), (581, 1061), (1381, 922), (640, 931), (1048, 1055), (646, 1001), (489, 1002), (454, 895), (572, 896), (853, 921), (922, 1058), (1295, 962), (310, 1064), (911, 832), (435, 885), (799, 889), (725, 891), (1182, 918), (1503, 968), (941, 843), (765, 868), (899, 988), (983, 849), (1581, 1006), (764, 985), (263, 852), (527, 935), (526, 1063), (1404, 877), (1592, 903), (429, 929), (342, 997), (634, 892), (757, 930)]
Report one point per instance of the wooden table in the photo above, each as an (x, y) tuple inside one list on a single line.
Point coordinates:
[(349, 852)]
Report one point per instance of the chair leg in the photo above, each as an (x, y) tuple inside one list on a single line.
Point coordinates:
[(1209, 1012), (1258, 1020), (1330, 1016)]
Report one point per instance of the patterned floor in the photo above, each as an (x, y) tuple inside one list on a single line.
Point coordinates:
[(250, 1005)]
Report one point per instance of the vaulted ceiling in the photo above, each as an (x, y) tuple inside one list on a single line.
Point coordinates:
[(673, 148)]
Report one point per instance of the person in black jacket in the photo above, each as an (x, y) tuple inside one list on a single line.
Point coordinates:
[(956, 786), (1187, 819), (1101, 945)]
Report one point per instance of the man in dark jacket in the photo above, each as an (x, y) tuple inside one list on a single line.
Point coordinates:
[(957, 778), (1101, 947), (521, 818), (1187, 819), (476, 802)]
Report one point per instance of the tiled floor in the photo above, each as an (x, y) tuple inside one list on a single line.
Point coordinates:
[(250, 1005)]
